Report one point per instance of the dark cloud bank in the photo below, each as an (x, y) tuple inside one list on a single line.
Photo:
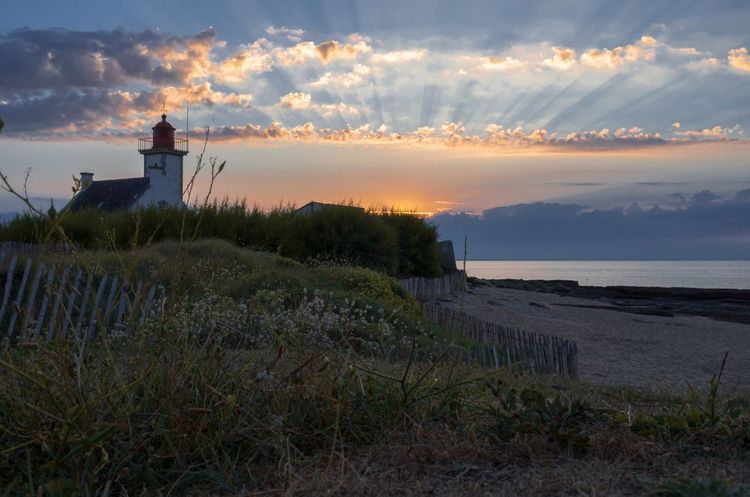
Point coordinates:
[(705, 228)]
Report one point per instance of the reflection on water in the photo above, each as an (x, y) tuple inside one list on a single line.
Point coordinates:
[(692, 274)]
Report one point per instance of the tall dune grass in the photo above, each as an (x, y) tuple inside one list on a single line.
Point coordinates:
[(395, 243)]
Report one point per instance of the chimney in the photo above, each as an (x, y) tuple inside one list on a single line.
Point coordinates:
[(86, 180)]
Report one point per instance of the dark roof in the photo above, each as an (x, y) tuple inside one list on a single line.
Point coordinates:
[(109, 195)]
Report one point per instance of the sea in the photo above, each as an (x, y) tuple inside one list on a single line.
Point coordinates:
[(688, 274)]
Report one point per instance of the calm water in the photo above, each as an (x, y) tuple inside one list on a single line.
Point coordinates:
[(692, 274)]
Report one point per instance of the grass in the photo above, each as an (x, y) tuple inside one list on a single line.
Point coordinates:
[(265, 376)]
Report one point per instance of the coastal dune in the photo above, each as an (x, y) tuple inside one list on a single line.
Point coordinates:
[(619, 346)]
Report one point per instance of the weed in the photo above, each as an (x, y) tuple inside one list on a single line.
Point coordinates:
[(696, 488), (529, 411)]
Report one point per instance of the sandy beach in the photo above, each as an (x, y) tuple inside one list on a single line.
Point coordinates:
[(617, 347)]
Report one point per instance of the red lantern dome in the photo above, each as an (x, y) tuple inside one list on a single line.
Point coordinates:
[(163, 134)]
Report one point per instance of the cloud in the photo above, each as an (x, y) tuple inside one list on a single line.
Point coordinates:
[(330, 110), (703, 228), (62, 59), (398, 56), (501, 64), (346, 80), (606, 58), (200, 94), (705, 64), (425, 132), (106, 113), (122, 78), (713, 133), (290, 34), (453, 134), (303, 101), (325, 52), (249, 59), (738, 60), (296, 100), (685, 51), (563, 59), (452, 129), (676, 125)]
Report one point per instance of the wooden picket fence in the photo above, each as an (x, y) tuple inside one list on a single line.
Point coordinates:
[(41, 302), (499, 346), (22, 248), (427, 289)]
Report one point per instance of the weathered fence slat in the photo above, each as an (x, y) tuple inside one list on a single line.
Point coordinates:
[(68, 316), (45, 302), (110, 299), (19, 297), (537, 354), (58, 302), (122, 306), (84, 304), (95, 309), (28, 311), (8, 285), (147, 303)]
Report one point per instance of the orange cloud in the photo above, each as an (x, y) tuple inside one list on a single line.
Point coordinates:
[(563, 59), (706, 64), (201, 94), (296, 100), (739, 60), (453, 134), (189, 57), (303, 101), (714, 133), (324, 52), (249, 59), (607, 58), (501, 64)]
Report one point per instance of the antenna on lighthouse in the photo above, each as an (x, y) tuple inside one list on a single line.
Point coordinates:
[(187, 121)]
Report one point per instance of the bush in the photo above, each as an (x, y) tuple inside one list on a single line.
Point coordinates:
[(397, 244)]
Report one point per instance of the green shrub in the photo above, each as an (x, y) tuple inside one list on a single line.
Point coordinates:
[(397, 244)]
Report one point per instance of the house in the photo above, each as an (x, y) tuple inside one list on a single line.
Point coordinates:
[(447, 256), (161, 184), (311, 207)]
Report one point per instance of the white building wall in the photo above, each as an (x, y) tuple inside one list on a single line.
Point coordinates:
[(164, 171)]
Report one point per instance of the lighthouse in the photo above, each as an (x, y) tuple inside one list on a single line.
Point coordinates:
[(162, 164), (160, 186)]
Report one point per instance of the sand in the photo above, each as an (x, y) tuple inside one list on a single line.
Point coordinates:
[(623, 348)]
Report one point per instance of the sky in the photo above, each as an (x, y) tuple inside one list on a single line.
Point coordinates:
[(434, 106)]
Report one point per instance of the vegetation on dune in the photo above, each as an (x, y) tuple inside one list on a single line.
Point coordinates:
[(266, 375), (395, 243)]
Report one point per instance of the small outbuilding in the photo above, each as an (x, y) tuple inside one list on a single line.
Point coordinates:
[(311, 207)]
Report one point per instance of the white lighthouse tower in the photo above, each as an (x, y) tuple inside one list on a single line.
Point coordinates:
[(162, 165), (161, 184)]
